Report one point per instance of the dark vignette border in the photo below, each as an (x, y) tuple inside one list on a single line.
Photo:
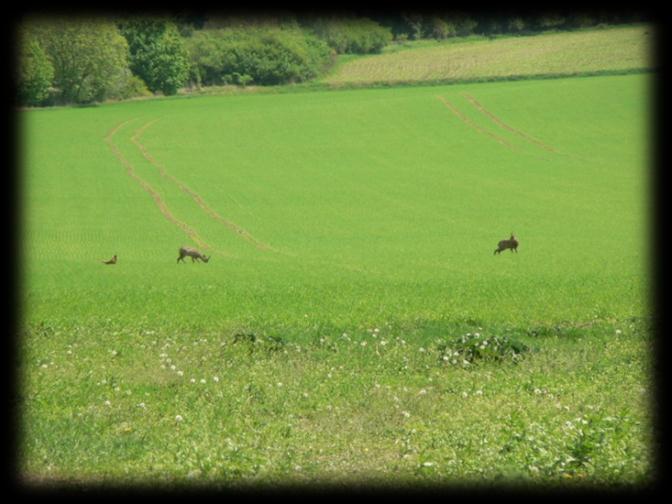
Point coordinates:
[(659, 182)]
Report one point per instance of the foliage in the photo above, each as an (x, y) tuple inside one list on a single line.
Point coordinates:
[(440, 29), (471, 347), (264, 55), (89, 57), (352, 35), (35, 72), (130, 86), (157, 53)]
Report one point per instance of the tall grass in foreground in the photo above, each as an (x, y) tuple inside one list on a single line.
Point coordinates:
[(373, 406)]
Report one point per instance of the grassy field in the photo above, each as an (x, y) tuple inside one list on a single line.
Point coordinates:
[(353, 324), (617, 49)]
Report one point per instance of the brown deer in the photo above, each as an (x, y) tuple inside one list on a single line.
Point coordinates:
[(111, 261), (511, 243), (193, 253)]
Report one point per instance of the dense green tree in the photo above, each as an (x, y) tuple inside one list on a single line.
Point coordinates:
[(35, 71), (264, 55), (89, 57), (414, 22), (440, 29), (351, 34), (157, 53)]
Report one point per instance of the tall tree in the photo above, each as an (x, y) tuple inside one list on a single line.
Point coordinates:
[(89, 57), (157, 52), (35, 71)]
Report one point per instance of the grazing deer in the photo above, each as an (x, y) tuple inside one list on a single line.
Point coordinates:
[(193, 253), (111, 261), (511, 243)]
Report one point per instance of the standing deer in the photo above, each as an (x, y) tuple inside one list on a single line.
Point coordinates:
[(111, 261), (193, 253), (511, 243)]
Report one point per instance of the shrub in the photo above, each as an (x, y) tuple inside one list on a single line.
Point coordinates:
[(472, 347), (264, 55), (129, 86)]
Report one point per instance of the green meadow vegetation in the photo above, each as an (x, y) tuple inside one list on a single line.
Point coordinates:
[(352, 325)]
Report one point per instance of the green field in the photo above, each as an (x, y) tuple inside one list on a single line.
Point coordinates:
[(617, 49), (351, 236)]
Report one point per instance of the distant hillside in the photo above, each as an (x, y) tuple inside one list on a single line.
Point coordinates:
[(620, 49)]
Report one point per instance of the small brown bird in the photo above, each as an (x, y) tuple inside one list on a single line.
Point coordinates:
[(111, 261)]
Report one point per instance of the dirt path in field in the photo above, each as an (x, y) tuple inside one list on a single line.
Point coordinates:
[(502, 124), (194, 195), (163, 208), (472, 124)]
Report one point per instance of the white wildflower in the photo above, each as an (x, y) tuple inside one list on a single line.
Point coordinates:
[(178, 418)]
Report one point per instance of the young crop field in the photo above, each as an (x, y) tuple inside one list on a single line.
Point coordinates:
[(618, 49), (353, 324)]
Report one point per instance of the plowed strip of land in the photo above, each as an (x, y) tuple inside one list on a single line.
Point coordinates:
[(472, 124), (130, 171), (194, 195), (502, 124)]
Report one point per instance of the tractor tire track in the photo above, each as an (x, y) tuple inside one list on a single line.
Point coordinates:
[(163, 208), (472, 124), (193, 194), (502, 124)]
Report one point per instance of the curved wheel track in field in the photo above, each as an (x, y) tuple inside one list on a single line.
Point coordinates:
[(466, 120), (163, 208), (502, 124), (194, 195)]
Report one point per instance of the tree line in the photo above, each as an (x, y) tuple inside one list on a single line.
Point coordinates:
[(80, 60)]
